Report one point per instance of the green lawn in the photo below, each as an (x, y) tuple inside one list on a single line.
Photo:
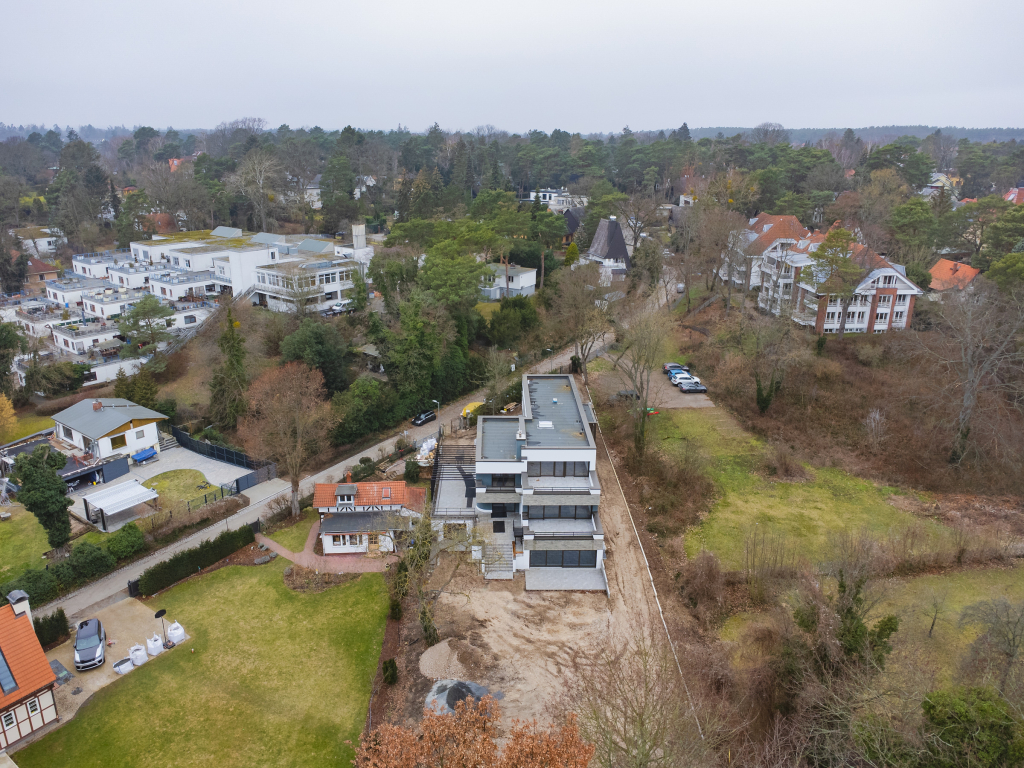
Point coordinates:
[(805, 512), (29, 424), (177, 485), (294, 536), (487, 308), (22, 543), (277, 678)]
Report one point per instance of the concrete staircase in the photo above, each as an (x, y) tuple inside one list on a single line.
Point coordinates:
[(167, 442), (498, 560)]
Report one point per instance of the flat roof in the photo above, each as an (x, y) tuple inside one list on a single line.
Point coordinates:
[(498, 438), (182, 276), (77, 283), (120, 497), (553, 413)]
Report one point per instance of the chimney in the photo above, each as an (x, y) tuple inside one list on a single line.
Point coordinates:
[(348, 477), (956, 267), (358, 236), (97, 405), (19, 602)]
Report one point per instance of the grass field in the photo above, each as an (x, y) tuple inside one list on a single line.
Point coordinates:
[(177, 485), (29, 424), (805, 512), (488, 308), (22, 543), (294, 536), (277, 678)]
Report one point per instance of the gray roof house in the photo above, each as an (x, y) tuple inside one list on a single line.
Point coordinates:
[(608, 249), (110, 426)]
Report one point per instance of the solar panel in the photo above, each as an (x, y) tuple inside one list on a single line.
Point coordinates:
[(7, 683)]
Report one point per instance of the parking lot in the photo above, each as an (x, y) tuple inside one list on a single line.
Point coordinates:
[(663, 396)]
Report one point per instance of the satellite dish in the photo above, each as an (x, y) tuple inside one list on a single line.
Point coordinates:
[(160, 614)]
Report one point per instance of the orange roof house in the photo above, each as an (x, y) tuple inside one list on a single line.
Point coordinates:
[(365, 519), (1015, 196), (26, 680), (948, 274)]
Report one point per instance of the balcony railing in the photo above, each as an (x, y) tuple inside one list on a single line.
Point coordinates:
[(92, 330)]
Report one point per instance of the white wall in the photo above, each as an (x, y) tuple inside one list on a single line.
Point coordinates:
[(387, 544)]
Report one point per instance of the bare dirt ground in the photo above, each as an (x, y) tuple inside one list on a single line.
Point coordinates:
[(517, 643), (663, 395), (1002, 514)]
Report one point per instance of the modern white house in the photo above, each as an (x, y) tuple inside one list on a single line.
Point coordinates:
[(109, 427), (173, 284), (129, 274), (513, 280), (365, 518), (111, 302), (557, 200), (97, 264), (321, 281), (39, 241), (68, 291), (82, 336)]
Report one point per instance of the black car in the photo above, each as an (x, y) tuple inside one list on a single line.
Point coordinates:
[(423, 418), (671, 368), (90, 642), (692, 386)]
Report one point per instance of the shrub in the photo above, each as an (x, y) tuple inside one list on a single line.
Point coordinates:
[(126, 541), (412, 471), (973, 726), (390, 670), (189, 561), (56, 406), (168, 408), (366, 461), (65, 575), (40, 585), (870, 354), (89, 561), (51, 629), (703, 583)]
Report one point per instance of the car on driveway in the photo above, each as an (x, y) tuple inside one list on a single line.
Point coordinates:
[(423, 418), (90, 642), (670, 368), (683, 376), (691, 386)]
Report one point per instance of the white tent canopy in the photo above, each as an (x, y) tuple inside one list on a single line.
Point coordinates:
[(119, 497)]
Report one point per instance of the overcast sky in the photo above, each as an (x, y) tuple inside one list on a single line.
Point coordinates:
[(579, 66)]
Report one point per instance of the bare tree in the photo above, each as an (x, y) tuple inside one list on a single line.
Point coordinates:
[(631, 703), (976, 356), (637, 213), (581, 310), (257, 179), (770, 134), (641, 334), (935, 606), (288, 421), (498, 372), (302, 161), (1002, 627)]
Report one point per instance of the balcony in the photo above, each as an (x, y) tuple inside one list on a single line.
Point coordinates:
[(91, 329)]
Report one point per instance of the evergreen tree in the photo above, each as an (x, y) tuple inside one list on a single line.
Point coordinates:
[(145, 327), (43, 493), (537, 206), (115, 201), (229, 382), (572, 254), (144, 389), (123, 386)]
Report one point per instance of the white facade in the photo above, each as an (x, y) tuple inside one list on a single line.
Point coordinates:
[(276, 286), (128, 441), (109, 302), (131, 275), (39, 241), (68, 291), (177, 284), (357, 543), (81, 337), (558, 200), (521, 281)]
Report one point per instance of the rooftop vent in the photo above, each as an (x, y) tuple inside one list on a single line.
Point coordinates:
[(554, 400), (546, 425)]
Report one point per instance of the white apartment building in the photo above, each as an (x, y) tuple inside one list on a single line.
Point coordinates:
[(97, 264), (175, 284), (67, 291)]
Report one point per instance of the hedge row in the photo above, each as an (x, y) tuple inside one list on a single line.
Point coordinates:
[(86, 563), (50, 629), (188, 562)]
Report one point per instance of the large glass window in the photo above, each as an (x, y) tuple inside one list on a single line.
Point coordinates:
[(563, 512), (563, 559), (503, 481), (558, 469)]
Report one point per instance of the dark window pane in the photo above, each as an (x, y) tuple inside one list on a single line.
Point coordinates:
[(582, 469), (567, 511), (570, 559), (588, 559), (554, 559), (537, 559), (498, 526), (533, 469)]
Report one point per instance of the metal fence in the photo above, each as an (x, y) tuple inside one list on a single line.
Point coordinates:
[(212, 495), (217, 452)]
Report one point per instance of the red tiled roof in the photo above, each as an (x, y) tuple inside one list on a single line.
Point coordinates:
[(37, 267), (24, 656), (779, 228), (1015, 196), (948, 274), (370, 494)]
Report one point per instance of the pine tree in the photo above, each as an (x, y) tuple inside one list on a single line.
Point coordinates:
[(684, 133), (572, 254), (537, 206), (144, 389), (123, 386), (497, 180), (229, 382), (43, 493), (115, 201)]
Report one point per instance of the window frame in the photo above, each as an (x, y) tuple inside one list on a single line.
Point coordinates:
[(115, 445), (140, 434)]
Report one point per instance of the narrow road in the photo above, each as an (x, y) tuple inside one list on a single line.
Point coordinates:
[(114, 586)]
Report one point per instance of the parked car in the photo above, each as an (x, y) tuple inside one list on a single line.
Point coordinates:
[(423, 418), (692, 386), (667, 367), (90, 644), (683, 376)]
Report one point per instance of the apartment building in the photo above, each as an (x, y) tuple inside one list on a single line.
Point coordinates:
[(778, 260), (535, 492)]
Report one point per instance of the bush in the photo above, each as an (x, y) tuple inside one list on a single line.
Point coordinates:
[(40, 585), (56, 406), (65, 575), (972, 722), (190, 561), (703, 584), (89, 561), (168, 408), (51, 629), (412, 471), (126, 541), (870, 354), (390, 671)]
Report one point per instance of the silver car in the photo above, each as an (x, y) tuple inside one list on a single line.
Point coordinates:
[(90, 643)]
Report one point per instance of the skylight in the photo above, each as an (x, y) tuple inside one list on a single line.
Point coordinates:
[(7, 684)]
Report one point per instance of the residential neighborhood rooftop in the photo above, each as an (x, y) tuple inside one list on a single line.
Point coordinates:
[(24, 667), (553, 413), (112, 413)]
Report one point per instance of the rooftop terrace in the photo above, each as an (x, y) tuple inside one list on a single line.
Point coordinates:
[(553, 414), (498, 438)]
